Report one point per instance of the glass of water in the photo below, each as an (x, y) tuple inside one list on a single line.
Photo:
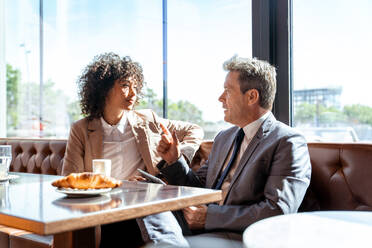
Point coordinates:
[(5, 159)]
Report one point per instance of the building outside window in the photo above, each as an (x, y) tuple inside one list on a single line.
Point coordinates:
[(331, 67)]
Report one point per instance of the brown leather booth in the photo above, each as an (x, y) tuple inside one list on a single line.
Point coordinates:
[(42, 156), (341, 177)]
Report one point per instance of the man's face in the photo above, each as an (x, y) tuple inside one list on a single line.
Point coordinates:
[(233, 100), (123, 94)]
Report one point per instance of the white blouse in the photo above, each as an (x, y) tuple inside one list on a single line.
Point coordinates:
[(119, 145)]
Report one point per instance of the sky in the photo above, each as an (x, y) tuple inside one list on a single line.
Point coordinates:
[(331, 43), (332, 47)]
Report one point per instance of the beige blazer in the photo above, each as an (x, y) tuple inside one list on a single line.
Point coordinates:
[(86, 140)]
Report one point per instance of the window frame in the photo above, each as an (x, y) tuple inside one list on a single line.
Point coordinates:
[(272, 41)]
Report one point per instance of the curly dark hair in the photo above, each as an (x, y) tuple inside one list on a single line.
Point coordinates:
[(99, 77)]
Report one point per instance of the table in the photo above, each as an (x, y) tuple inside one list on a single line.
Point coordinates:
[(312, 229), (32, 203)]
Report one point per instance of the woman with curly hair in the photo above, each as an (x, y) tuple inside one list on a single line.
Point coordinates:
[(110, 87)]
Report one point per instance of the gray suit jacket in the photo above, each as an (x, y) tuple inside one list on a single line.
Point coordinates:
[(271, 178)]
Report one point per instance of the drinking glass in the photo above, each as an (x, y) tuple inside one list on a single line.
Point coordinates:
[(5, 159), (4, 194), (102, 166)]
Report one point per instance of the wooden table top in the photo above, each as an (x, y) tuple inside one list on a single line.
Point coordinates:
[(32, 203)]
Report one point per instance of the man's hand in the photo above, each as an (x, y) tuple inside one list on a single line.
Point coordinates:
[(195, 216), (168, 147)]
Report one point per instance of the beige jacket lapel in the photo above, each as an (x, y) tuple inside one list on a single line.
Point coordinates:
[(95, 136), (139, 128)]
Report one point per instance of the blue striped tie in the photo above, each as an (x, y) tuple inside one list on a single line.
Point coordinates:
[(238, 141)]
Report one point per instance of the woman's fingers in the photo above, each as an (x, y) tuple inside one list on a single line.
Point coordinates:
[(166, 136)]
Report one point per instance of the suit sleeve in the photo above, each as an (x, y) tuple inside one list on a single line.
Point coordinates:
[(190, 135), (179, 173), (74, 157), (286, 184)]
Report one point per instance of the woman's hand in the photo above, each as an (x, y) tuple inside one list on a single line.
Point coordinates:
[(169, 147)]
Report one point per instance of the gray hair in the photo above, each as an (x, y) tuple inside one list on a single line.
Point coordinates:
[(255, 74)]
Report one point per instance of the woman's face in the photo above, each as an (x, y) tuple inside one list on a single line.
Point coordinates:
[(123, 95)]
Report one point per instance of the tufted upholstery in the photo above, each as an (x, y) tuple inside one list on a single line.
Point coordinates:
[(41, 156), (341, 176), (201, 155)]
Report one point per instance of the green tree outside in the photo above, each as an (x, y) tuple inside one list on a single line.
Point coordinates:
[(181, 110), (305, 113), (13, 78), (358, 114), (320, 115)]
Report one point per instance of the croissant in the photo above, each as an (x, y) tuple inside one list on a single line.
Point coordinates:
[(86, 180)]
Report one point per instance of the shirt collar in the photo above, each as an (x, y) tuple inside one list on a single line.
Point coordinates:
[(251, 129), (107, 128)]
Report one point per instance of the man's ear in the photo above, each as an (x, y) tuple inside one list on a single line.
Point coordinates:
[(252, 96)]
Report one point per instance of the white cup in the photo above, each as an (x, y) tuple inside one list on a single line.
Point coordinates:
[(102, 166)]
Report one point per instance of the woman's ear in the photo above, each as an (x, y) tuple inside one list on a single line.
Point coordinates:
[(252, 96)]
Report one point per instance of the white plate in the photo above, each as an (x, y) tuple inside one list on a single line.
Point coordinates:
[(9, 177), (82, 192)]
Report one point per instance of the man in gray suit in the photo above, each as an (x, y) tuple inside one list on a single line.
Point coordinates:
[(261, 165)]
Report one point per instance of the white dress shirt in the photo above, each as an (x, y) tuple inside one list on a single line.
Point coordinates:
[(250, 131), (119, 145)]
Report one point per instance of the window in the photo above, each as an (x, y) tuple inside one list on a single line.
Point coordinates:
[(331, 66), (49, 43), (22, 65), (203, 35), (73, 32)]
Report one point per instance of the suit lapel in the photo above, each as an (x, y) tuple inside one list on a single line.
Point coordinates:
[(139, 128), (261, 133), (95, 136), (222, 156)]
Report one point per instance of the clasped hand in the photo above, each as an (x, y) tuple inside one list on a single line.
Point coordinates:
[(195, 216)]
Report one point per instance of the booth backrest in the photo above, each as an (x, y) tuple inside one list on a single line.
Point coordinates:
[(341, 173), (42, 156)]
